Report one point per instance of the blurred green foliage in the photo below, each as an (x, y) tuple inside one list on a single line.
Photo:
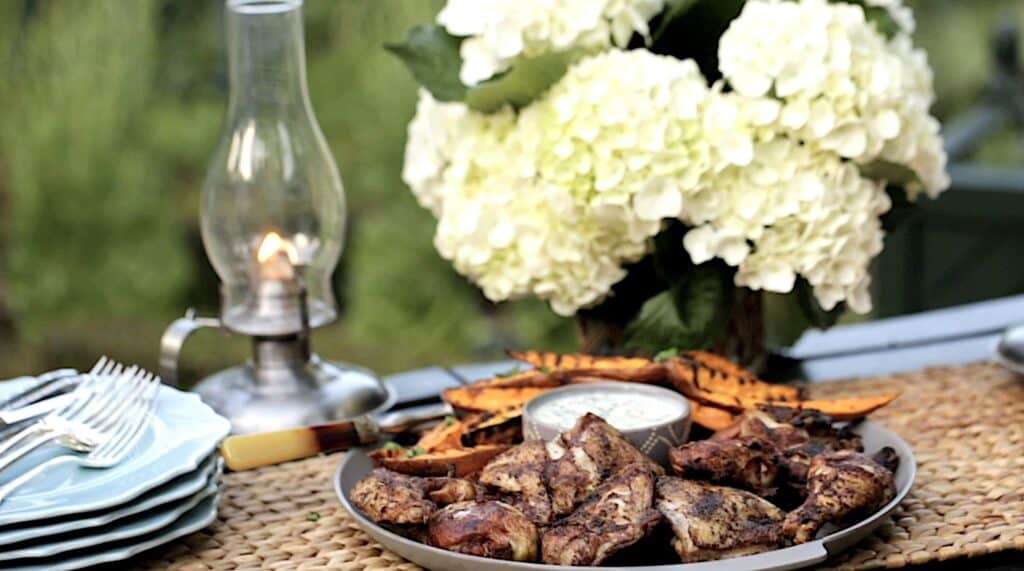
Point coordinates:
[(107, 119), (109, 110)]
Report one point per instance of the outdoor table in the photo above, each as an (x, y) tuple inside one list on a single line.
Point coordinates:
[(964, 420)]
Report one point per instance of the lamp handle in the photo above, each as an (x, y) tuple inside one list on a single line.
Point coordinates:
[(174, 338)]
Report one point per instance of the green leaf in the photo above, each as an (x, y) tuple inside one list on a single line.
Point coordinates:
[(703, 301), (690, 315), (432, 55), (391, 446), (526, 81), (671, 260), (812, 310), (903, 210), (676, 9), (892, 173)]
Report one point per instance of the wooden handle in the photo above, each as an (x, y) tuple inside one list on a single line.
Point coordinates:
[(246, 451)]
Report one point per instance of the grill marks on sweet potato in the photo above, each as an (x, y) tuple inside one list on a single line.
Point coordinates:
[(719, 390), (843, 409), (487, 398), (574, 365), (736, 394), (698, 373)]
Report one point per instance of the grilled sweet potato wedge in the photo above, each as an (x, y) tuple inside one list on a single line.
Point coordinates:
[(635, 369), (529, 378), (712, 379), (710, 417), (454, 462), (485, 398), (446, 435), (843, 409), (504, 427)]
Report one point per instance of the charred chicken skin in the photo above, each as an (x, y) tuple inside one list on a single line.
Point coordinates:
[(715, 522), (584, 456), (487, 529), (520, 473), (390, 497), (617, 515), (749, 462), (840, 485), (798, 436)]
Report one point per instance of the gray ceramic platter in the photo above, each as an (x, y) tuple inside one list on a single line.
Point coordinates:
[(356, 464)]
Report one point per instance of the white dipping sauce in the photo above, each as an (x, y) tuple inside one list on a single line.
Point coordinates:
[(622, 410)]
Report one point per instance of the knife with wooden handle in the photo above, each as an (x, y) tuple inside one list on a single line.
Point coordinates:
[(246, 451)]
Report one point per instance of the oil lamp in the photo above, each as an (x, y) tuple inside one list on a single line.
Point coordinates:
[(272, 217)]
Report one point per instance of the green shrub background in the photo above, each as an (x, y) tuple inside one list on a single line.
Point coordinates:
[(109, 110)]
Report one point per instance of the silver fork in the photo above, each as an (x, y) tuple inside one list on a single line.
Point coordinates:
[(126, 429), (84, 426), (84, 394)]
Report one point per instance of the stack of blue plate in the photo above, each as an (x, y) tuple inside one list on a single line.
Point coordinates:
[(73, 517)]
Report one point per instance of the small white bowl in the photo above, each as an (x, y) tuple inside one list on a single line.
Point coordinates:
[(654, 439)]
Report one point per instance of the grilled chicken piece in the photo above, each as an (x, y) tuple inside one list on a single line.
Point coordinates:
[(818, 427), (617, 515), (750, 463), (444, 491), (390, 497), (840, 485), (584, 456), (887, 458), (798, 436), (488, 529), (795, 461), (714, 522), (520, 471), (387, 496)]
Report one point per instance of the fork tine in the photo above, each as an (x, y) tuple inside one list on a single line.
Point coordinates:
[(99, 375), (92, 378), (100, 364), (132, 417), (131, 431), (108, 410)]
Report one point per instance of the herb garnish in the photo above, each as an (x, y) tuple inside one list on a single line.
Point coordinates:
[(513, 371), (666, 354)]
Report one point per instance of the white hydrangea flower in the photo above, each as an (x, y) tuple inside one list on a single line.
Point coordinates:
[(844, 87), (498, 32), (792, 211), (555, 201)]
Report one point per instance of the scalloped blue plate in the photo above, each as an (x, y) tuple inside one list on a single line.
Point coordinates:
[(183, 433), (181, 487), (192, 521)]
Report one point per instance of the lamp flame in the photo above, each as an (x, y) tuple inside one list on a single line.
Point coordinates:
[(274, 245)]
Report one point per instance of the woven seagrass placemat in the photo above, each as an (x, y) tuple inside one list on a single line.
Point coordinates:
[(966, 425)]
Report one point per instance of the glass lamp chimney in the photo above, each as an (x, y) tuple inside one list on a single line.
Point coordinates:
[(273, 206)]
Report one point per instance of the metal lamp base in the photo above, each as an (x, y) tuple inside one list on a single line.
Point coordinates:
[(317, 392), (284, 384)]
